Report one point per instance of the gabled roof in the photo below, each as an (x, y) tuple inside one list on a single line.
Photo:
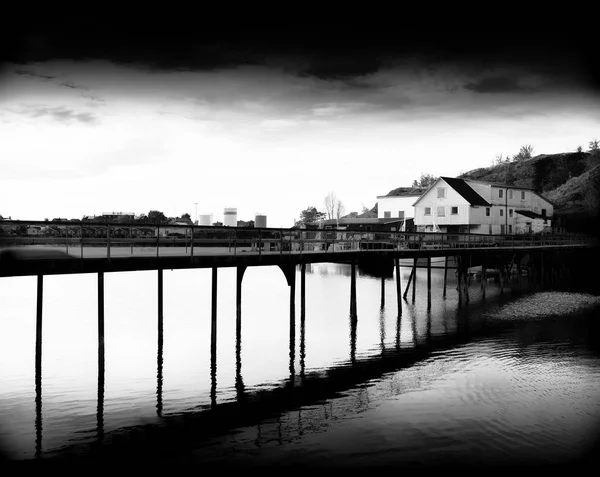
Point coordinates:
[(463, 188)]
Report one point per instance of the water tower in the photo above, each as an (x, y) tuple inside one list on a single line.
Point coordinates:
[(230, 217), (205, 219), (260, 220)]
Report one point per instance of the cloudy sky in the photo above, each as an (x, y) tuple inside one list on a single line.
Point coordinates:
[(102, 117)]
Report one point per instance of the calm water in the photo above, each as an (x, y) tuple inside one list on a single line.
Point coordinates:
[(509, 378)]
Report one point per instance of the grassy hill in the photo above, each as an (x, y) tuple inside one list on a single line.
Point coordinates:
[(571, 181)]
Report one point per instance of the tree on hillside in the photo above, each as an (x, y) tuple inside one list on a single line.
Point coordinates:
[(309, 215), (157, 217), (186, 216), (333, 206), (594, 145), (579, 149), (524, 153), (424, 181)]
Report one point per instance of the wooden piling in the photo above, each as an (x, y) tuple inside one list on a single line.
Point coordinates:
[(353, 308), (428, 281), (100, 403), (410, 279), (398, 286), (213, 322), (445, 273), (414, 284), (38, 368), (382, 288)]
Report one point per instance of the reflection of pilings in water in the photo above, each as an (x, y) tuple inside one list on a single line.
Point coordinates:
[(100, 408), (353, 325), (302, 320), (414, 328), (428, 335), (213, 340), (38, 367), (159, 353)]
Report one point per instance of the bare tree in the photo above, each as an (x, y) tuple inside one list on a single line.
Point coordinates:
[(594, 145), (524, 153), (333, 206)]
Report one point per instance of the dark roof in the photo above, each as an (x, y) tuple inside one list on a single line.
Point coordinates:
[(531, 215), (465, 190)]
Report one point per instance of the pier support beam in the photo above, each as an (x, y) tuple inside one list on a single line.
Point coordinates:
[(38, 367), (398, 286), (445, 273), (238, 302), (382, 290), (410, 279), (353, 289), (428, 281), (213, 339), (302, 319), (414, 284), (292, 282), (100, 404), (159, 353)]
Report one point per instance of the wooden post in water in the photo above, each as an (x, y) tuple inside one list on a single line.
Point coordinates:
[(38, 367), (414, 285), (302, 319), (410, 279), (213, 322), (428, 281), (159, 354), (292, 280), (238, 303), (459, 276), (501, 270), (353, 289), (483, 277), (100, 404), (445, 273), (382, 287), (542, 270), (398, 286), (101, 313)]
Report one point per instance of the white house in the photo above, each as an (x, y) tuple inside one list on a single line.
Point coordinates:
[(399, 204), (465, 206)]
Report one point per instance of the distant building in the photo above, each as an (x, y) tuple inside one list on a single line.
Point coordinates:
[(464, 206), (398, 204)]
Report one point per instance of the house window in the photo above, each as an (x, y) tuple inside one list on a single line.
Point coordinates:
[(522, 195), (441, 211), (510, 212), (487, 211), (502, 229), (441, 192), (387, 214), (510, 194), (500, 193), (454, 210), (427, 210), (501, 212), (544, 212), (510, 229)]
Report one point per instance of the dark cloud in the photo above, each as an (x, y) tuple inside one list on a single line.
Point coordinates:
[(178, 41), (33, 74), (498, 84), (73, 86), (61, 113)]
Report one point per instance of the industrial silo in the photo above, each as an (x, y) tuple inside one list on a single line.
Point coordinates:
[(260, 220), (205, 219), (230, 217)]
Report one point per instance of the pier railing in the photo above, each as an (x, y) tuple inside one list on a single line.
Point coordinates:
[(90, 240)]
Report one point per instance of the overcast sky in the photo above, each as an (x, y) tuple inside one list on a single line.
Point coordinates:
[(109, 117)]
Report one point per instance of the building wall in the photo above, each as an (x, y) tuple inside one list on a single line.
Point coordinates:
[(453, 199), (395, 205)]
